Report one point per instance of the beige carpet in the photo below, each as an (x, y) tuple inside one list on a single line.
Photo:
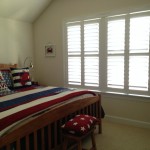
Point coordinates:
[(120, 137)]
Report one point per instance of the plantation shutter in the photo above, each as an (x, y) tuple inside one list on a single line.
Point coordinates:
[(74, 53), (91, 53), (115, 52), (83, 53), (139, 52), (109, 54)]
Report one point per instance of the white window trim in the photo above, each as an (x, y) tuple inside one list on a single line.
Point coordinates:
[(102, 58)]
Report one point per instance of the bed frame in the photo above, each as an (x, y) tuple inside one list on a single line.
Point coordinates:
[(43, 132), (7, 66)]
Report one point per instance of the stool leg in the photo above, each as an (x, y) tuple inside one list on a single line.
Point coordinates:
[(93, 141), (79, 145), (100, 128), (65, 144)]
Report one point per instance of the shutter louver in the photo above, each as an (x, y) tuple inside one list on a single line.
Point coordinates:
[(115, 78), (115, 52), (91, 71), (74, 54), (139, 53), (91, 54), (138, 73)]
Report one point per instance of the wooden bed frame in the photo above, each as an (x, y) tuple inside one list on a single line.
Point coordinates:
[(43, 132), (7, 66)]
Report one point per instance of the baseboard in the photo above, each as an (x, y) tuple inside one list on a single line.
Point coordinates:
[(128, 121)]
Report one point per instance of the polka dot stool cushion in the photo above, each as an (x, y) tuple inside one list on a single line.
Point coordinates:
[(80, 124)]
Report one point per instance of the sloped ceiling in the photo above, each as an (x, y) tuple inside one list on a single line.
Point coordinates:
[(23, 10)]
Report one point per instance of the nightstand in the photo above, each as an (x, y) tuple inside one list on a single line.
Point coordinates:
[(35, 83)]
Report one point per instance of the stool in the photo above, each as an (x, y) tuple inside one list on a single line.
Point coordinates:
[(77, 129)]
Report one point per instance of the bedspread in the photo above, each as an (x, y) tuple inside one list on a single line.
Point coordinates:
[(17, 107)]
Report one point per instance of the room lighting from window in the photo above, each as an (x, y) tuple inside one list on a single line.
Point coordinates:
[(110, 54)]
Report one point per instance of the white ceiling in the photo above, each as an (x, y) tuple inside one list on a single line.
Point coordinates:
[(23, 10)]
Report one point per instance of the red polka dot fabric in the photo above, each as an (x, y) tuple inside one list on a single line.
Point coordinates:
[(80, 124)]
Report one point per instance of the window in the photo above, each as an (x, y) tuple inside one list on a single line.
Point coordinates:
[(110, 54), (83, 53)]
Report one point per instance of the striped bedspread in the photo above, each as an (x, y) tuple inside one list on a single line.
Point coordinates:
[(18, 107)]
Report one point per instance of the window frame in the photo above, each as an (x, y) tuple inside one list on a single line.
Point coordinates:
[(103, 55)]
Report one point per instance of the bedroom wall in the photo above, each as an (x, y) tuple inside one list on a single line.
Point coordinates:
[(16, 41), (48, 28)]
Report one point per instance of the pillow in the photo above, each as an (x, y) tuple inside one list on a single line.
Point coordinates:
[(20, 77), (3, 85), (80, 124), (7, 77)]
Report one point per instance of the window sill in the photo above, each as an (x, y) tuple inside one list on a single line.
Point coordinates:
[(124, 96)]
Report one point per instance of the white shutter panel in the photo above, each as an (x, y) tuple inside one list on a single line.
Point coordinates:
[(91, 53), (115, 72), (74, 54), (139, 53), (138, 73), (91, 71), (115, 52)]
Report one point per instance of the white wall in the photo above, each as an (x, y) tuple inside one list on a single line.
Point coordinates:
[(16, 41), (49, 70)]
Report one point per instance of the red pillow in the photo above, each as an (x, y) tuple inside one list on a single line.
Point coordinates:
[(80, 124)]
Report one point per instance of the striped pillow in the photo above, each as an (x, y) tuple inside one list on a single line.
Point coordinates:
[(21, 77)]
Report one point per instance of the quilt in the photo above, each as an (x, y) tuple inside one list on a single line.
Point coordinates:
[(18, 107)]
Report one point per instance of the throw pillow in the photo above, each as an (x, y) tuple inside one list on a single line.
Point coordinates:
[(80, 124), (21, 77), (3, 85), (7, 77)]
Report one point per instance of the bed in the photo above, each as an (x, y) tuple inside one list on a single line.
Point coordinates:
[(42, 129)]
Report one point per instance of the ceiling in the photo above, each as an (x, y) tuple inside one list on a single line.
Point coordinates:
[(23, 10)]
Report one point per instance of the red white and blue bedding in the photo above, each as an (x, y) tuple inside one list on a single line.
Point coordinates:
[(20, 106)]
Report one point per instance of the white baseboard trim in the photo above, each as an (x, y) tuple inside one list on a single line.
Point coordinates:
[(128, 121)]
